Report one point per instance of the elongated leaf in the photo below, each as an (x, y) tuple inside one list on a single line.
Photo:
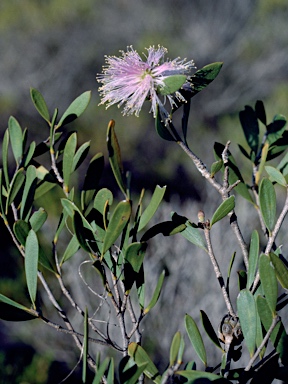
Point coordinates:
[(249, 122), (76, 108), (134, 255), (156, 293), (209, 329), (268, 282), (140, 357), (196, 376), (119, 220), (38, 219), (263, 159), (80, 155), (198, 81), (167, 228), (280, 269), (115, 157), (267, 199), (68, 157), (260, 111), (278, 335), (71, 249), (224, 208), (129, 372), (101, 371), (101, 199), (152, 207), (172, 84), (29, 154), (193, 234), (10, 310), (248, 318), (195, 338), (275, 175), (29, 191), (15, 133), (253, 258), (40, 104), (174, 348), (276, 129), (16, 184), (216, 167), (5, 145), (31, 264)]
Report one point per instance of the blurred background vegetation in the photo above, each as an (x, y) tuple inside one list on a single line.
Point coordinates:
[(58, 47)]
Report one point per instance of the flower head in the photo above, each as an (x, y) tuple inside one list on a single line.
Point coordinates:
[(130, 81)]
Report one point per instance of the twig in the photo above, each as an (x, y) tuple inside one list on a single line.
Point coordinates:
[(218, 272), (264, 341)]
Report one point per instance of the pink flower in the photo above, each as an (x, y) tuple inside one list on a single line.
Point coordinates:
[(130, 81)]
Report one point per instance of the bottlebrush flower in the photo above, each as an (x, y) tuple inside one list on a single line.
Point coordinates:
[(129, 81)]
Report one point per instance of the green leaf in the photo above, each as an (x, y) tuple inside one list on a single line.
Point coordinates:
[(92, 178), (192, 234), (71, 249), (119, 220), (248, 318), (15, 133), (161, 128), (29, 191), (80, 155), (134, 255), (174, 348), (16, 184), (40, 104), (196, 376), (224, 208), (115, 157), (198, 81), (249, 122), (31, 264), (75, 109), (280, 269), (38, 219), (167, 228), (209, 329), (276, 129), (156, 293), (152, 207), (278, 335), (260, 111), (275, 175), (101, 371), (267, 199), (84, 233), (5, 145), (110, 374), (216, 167), (103, 196), (172, 84), (140, 357), (129, 372), (268, 282), (68, 157), (29, 154), (10, 310), (195, 338), (253, 258)]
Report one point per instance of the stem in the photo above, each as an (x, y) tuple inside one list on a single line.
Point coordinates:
[(264, 341), (218, 272)]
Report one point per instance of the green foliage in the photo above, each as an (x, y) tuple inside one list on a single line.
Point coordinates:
[(114, 237)]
